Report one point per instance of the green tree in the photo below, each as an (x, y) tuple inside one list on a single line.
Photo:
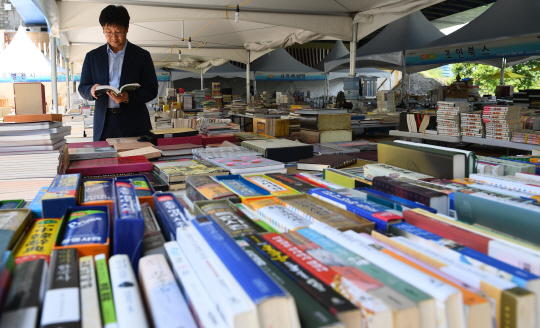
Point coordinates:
[(479, 72)]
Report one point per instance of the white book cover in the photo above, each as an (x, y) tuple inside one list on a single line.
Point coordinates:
[(199, 300), (234, 304), (16, 143), (90, 307), (16, 149), (163, 297), (282, 218), (378, 170), (128, 304), (36, 136), (443, 293), (60, 129)]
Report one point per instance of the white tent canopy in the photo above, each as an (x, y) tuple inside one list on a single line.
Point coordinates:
[(22, 56), (279, 60), (508, 29), (160, 25), (387, 48)]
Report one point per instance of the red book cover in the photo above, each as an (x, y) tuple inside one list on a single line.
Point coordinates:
[(116, 165), (206, 140), (196, 140), (95, 144), (445, 230)]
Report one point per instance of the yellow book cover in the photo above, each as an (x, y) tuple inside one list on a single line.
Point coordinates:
[(276, 188), (38, 241)]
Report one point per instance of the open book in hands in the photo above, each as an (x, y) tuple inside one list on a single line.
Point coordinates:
[(102, 89)]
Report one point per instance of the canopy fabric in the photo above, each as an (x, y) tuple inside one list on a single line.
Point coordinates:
[(279, 60), (23, 57), (508, 29), (338, 51), (163, 23), (507, 75), (360, 72), (227, 70), (386, 49)]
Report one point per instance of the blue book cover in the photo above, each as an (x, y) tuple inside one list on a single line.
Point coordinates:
[(399, 203), (469, 255), (241, 186), (249, 275), (376, 213), (35, 205), (170, 214)]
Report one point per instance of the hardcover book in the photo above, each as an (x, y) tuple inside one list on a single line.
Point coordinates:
[(176, 150), (384, 170), (177, 171), (281, 150), (314, 210), (203, 187), (321, 162), (324, 122), (90, 313), (173, 133), (110, 165), (148, 152), (315, 137), (248, 164), (196, 140), (292, 181), (277, 216), (275, 188), (94, 144), (227, 217), (122, 147), (91, 153)]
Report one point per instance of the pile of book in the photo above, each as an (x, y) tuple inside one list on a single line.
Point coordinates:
[(216, 94), (324, 126), (526, 136), (255, 109), (237, 107), (472, 125), (501, 121), (448, 117), (77, 124)]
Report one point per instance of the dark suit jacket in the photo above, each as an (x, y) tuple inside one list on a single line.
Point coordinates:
[(136, 68)]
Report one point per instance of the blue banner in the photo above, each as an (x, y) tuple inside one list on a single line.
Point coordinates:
[(515, 47), (289, 76), (163, 76)]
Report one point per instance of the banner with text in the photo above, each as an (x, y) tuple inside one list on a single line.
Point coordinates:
[(515, 47), (289, 76)]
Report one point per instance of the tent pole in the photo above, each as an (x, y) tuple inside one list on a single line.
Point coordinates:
[(353, 51), (73, 88), (68, 95), (248, 68), (202, 80), (503, 67), (404, 73), (54, 78), (325, 91)]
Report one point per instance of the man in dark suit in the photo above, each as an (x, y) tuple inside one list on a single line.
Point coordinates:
[(117, 63)]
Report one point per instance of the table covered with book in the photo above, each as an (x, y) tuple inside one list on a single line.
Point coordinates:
[(251, 230)]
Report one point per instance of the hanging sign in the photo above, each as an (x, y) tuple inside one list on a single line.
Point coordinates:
[(514, 47)]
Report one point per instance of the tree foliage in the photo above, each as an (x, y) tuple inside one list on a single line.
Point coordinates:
[(479, 72)]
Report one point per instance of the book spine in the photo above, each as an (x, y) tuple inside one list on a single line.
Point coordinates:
[(399, 189), (162, 294), (234, 302), (90, 313), (25, 295), (254, 281), (108, 314), (310, 313), (61, 307), (153, 239), (130, 312), (203, 306), (325, 295), (229, 220), (345, 164)]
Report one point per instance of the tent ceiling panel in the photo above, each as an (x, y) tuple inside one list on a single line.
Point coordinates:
[(280, 61)]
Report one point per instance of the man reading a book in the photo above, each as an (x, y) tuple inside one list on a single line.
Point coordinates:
[(115, 64)]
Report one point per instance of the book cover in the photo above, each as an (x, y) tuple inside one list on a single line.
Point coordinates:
[(382, 216), (177, 171), (61, 305), (148, 152), (292, 182), (106, 301), (13, 223), (253, 216), (23, 303), (128, 304), (153, 239), (38, 241), (90, 312), (278, 216), (326, 161), (173, 133), (196, 140), (234, 304), (202, 187), (110, 165), (170, 214), (377, 170), (91, 153), (394, 202), (314, 210), (227, 218), (281, 150), (324, 122), (93, 144), (242, 187), (275, 188), (203, 306), (325, 295), (310, 313), (165, 301), (127, 146)]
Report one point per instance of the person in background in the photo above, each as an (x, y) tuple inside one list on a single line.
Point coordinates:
[(116, 63)]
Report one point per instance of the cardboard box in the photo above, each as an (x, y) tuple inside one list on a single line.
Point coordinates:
[(61, 194), (29, 98), (271, 126), (85, 249)]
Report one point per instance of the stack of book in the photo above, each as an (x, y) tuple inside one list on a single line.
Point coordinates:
[(281, 150), (175, 172), (448, 117), (472, 125), (325, 126), (76, 122), (256, 109), (89, 127), (237, 107), (216, 94), (501, 121)]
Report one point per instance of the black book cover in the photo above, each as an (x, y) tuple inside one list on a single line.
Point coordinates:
[(289, 154), (293, 182)]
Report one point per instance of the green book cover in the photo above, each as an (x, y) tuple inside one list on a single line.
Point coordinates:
[(105, 292), (310, 313)]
